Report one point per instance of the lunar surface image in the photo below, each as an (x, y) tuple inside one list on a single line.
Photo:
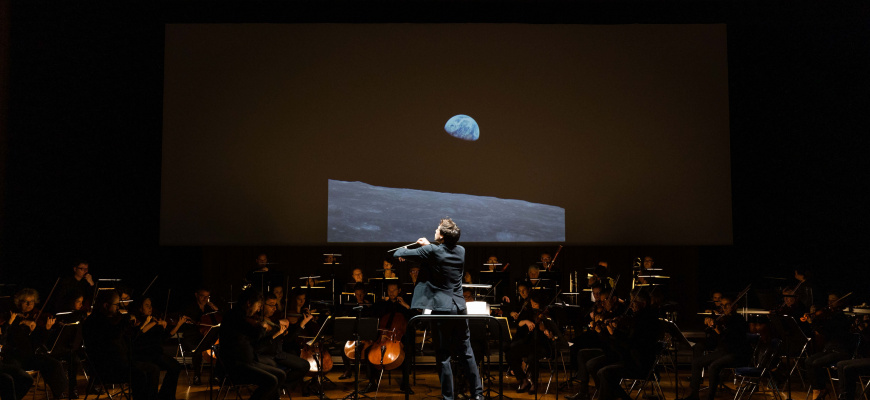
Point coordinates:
[(462, 127), (359, 212)]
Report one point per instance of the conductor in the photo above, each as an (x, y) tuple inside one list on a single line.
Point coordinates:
[(443, 295)]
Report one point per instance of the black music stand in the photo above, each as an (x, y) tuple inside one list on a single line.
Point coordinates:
[(677, 339), (356, 329)]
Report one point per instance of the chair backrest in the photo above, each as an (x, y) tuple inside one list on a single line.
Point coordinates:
[(770, 357)]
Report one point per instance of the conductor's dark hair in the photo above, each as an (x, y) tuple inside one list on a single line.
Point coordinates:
[(449, 231)]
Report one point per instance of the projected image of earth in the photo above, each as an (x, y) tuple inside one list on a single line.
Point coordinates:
[(359, 212)]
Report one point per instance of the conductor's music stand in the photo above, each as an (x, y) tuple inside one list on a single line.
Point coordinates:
[(356, 329)]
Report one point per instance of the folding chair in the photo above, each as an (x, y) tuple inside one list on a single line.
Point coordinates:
[(751, 377)]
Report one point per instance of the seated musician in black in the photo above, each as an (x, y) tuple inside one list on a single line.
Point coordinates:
[(107, 334), (529, 344), (359, 293), (80, 282), (533, 277), (791, 306), (591, 349), (634, 340), (15, 382), (148, 346), (198, 338), (394, 306), (67, 340), (732, 350), (833, 326), (270, 348), (241, 328), (26, 335), (520, 303)]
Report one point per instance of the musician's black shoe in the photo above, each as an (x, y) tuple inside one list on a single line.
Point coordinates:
[(524, 386), (346, 375), (406, 388), (532, 386), (197, 380), (691, 397), (371, 387)]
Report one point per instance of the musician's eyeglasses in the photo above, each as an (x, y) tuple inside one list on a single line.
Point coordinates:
[(271, 305), (27, 302)]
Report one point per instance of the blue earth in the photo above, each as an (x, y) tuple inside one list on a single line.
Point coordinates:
[(462, 127)]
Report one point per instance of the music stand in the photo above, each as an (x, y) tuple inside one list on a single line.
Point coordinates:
[(677, 338), (356, 329), (318, 355)]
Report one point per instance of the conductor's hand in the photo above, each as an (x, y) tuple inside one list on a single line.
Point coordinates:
[(423, 241)]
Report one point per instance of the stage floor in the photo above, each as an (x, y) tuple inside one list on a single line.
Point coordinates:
[(427, 387)]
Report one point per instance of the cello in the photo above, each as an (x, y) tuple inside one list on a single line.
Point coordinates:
[(387, 353)]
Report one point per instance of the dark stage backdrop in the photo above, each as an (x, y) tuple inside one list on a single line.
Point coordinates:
[(624, 128), (85, 120)]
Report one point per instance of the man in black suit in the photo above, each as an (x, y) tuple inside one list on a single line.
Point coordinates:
[(443, 295)]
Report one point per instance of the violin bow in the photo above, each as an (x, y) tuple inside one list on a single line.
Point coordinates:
[(737, 299), (45, 303), (47, 299), (166, 311), (149, 286), (553, 261)]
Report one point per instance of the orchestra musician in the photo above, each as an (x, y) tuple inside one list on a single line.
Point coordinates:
[(533, 277), (278, 291), (304, 325), (490, 263), (67, 337), (80, 282), (527, 344), (524, 290), (633, 340), (393, 304), (733, 349), (546, 262), (107, 334), (806, 288), (270, 348), (15, 382), (148, 346), (26, 338), (389, 272), (711, 340), (195, 337), (357, 276), (590, 350), (259, 275), (359, 293), (241, 328), (442, 294), (832, 327)]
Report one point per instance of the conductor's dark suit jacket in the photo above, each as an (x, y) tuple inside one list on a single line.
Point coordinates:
[(443, 291)]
